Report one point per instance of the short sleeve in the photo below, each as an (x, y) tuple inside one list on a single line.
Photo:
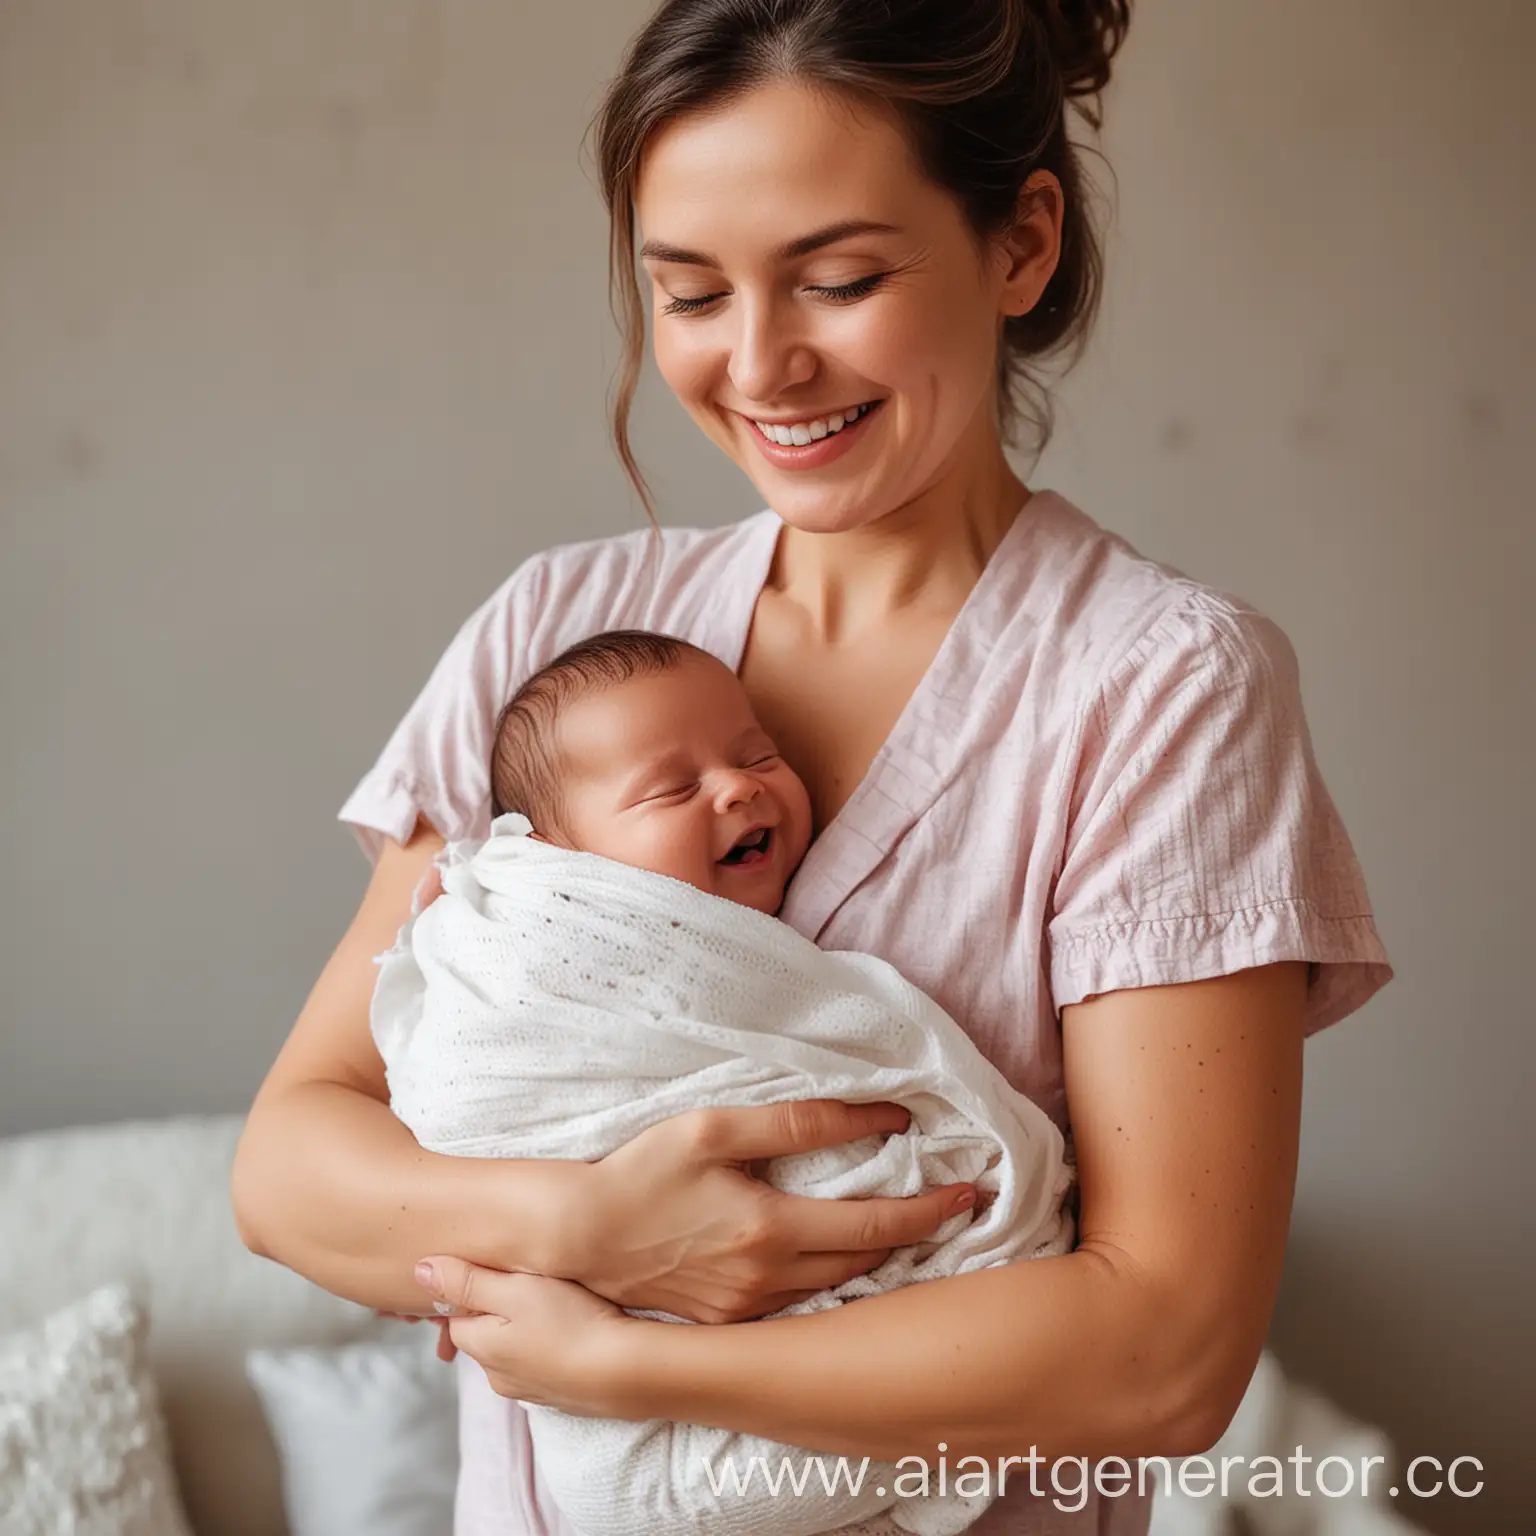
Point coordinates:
[(437, 762), (1202, 840)]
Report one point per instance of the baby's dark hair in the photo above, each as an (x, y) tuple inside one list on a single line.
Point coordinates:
[(525, 763)]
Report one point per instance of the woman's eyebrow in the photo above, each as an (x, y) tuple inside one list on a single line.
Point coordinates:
[(804, 245)]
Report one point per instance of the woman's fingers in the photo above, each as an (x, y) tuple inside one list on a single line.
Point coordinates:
[(813, 1272), (775, 1130), (456, 1286), (875, 1225), (679, 1224)]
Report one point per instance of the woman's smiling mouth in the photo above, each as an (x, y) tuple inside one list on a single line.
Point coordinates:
[(801, 434), (813, 441)]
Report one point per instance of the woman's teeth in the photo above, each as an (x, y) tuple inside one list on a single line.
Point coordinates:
[(804, 432)]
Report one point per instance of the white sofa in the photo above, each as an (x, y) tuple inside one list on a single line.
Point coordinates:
[(148, 1203)]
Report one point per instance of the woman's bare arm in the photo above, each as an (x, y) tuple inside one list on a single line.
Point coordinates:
[(1186, 1106), (329, 1183)]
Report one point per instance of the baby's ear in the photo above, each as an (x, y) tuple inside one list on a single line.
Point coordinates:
[(538, 837)]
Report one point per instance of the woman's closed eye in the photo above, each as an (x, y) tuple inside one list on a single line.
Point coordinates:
[(847, 293), (837, 293), (687, 306)]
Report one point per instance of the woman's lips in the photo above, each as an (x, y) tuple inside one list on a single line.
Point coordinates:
[(815, 455)]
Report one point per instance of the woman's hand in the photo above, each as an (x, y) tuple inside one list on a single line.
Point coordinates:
[(678, 1222), (538, 1340)]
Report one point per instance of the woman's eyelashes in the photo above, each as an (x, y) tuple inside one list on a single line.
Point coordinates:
[(691, 306), (847, 293), (836, 293)]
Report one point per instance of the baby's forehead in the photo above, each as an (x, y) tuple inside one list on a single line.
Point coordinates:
[(659, 716), (709, 689)]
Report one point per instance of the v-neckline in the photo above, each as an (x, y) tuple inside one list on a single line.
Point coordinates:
[(919, 755)]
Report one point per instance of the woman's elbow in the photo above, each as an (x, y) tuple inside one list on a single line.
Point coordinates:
[(1200, 1398), (1185, 1363), (246, 1186), (1193, 1431)]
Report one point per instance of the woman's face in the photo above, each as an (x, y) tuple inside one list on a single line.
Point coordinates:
[(821, 307)]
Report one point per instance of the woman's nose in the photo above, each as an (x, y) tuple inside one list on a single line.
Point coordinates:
[(767, 357)]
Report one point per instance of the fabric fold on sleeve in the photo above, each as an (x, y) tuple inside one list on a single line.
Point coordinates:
[(382, 808), (1204, 841), (436, 764), (1348, 963)]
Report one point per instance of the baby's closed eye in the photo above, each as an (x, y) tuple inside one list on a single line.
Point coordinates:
[(678, 792)]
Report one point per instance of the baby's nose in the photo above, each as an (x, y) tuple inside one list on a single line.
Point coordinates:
[(737, 788)]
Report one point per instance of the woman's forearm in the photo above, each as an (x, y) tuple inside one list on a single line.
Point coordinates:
[(1071, 1355), (329, 1183), (1187, 1107)]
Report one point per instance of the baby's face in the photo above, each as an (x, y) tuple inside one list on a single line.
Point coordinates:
[(673, 773)]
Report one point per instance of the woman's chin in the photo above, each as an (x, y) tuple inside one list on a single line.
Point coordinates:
[(809, 510)]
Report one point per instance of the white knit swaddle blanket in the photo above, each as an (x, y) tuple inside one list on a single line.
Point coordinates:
[(553, 1004)]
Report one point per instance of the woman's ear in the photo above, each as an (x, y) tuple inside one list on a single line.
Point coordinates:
[(1031, 249)]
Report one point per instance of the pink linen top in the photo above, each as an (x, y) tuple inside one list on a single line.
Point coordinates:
[(1104, 780)]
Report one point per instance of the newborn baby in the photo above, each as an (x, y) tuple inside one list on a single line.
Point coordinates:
[(645, 749), (581, 979)]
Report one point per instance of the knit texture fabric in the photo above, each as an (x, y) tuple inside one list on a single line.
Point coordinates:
[(553, 1004)]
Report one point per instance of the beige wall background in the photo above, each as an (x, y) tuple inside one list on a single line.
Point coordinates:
[(303, 345)]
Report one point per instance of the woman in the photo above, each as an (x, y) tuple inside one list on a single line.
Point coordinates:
[(1066, 791)]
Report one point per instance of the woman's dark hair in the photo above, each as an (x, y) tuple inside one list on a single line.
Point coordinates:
[(981, 86), (525, 763)]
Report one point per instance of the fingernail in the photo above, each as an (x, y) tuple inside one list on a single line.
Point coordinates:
[(962, 1202), (426, 1276)]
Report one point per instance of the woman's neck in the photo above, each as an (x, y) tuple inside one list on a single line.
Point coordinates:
[(919, 561)]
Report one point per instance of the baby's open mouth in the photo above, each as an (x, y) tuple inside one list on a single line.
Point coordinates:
[(751, 847)]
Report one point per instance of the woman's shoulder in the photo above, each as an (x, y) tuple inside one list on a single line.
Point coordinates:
[(1198, 837), (643, 555), (1109, 613), (435, 764), (649, 578)]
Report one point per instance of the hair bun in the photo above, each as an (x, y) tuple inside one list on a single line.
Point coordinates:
[(1085, 36)]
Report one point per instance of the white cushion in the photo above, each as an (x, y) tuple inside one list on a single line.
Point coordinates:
[(83, 1448), (367, 1435), (148, 1202)]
